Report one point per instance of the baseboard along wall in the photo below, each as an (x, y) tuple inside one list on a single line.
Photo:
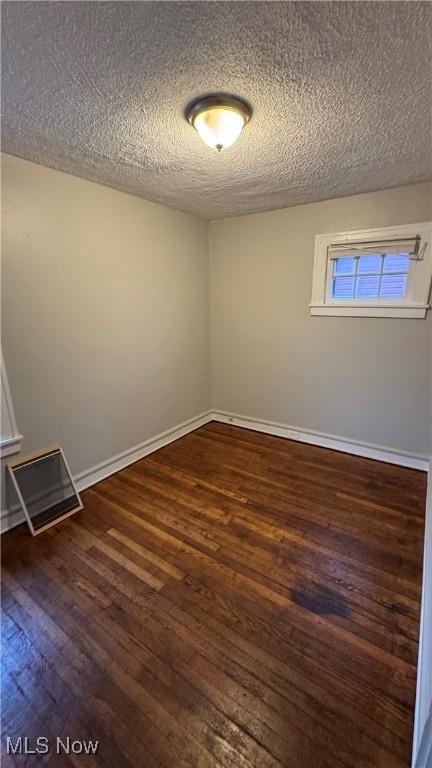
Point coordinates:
[(83, 480), (422, 744), (9, 519), (334, 442)]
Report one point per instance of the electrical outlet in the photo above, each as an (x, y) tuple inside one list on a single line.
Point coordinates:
[(292, 434)]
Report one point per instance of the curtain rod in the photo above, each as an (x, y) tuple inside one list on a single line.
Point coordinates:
[(345, 243)]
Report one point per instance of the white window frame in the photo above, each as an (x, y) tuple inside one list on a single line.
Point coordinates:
[(10, 442), (415, 302)]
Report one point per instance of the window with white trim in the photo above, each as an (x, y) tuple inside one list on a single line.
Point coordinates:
[(373, 273)]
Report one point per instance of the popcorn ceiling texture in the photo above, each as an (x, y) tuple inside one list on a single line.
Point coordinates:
[(341, 95)]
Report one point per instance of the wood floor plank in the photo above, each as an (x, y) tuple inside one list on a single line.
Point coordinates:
[(233, 600)]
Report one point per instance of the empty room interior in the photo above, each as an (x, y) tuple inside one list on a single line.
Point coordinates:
[(216, 413)]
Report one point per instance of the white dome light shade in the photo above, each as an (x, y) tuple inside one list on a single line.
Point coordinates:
[(219, 121), (219, 127)]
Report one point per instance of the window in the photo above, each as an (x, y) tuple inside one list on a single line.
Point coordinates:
[(371, 276), (373, 273)]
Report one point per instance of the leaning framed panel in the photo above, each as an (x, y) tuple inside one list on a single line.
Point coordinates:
[(45, 488)]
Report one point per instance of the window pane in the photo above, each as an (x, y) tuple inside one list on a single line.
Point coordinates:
[(397, 262), (343, 287), (369, 263), (393, 286), (344, 266), (367, 287)]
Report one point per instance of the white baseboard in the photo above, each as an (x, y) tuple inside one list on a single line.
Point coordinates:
[(422, 740), (367, 450), (422, 745), (106, 468), (10, 519)]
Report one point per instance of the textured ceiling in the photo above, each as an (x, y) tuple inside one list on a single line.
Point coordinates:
[(341, 97)]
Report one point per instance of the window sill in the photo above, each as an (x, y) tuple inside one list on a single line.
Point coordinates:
[(414, 311), (10, 446)]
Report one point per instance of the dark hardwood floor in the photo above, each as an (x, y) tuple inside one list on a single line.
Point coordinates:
[(234, 599)]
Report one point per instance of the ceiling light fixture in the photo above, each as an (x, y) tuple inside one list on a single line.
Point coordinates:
[(219, 120)]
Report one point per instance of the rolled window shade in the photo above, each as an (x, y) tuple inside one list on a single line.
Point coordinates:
[(409, 246)]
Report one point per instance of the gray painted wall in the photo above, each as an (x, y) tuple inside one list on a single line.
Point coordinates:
[(105, 314), (357, 378), (106, 320)]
